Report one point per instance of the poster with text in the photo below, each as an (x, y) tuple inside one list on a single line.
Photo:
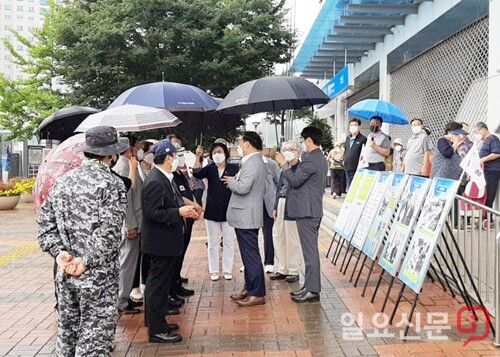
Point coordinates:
[(429, 225), (371, 209), (359, 203), (382, 220), (407, 213), (344, 213)]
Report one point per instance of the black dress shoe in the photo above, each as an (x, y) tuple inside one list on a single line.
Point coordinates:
[(306, 296), (129, 311), (173, 311), (292, 278), (184, 280), (298, 292), (133, 304), (165, 338), (185, 292), (178, 298), (277, 276), (174, 303)]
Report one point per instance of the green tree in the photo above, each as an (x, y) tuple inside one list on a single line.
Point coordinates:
[(313, 120), (25, 103), (112, 45)]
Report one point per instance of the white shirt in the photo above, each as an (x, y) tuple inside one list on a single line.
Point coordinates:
[(169, 175)]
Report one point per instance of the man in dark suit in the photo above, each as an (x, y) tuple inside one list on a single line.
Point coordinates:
[(162, 238), (353, 146), (304, 203), (246, 214)]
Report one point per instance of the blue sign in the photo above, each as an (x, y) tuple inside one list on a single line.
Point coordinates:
[(340, 82)]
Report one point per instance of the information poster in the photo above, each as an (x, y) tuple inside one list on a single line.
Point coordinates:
[(344, 213), (380, 224), (371, 209), (429, 226), (359, 203), (411, 202)]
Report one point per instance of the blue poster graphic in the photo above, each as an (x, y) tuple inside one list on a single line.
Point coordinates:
[(429, 226), (381, 222), (406, 216)]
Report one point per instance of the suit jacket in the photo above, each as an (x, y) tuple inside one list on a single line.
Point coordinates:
[(351, 154), (162, 226), (246, 208), (304, 198), (272, 178), (133, 219)]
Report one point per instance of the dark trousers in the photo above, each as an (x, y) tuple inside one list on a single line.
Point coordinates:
[(349, 176), (338, 181), (377, 166), (144, 267), (248, 240), (267, 232), (159, 279), (308, 229), (492, 178), (176, 278)]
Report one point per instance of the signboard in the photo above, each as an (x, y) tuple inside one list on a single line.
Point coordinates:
[(386, 210), (345, 210), (340, 82), (359, 203), (430, 223), (411, 202), (371, 209)]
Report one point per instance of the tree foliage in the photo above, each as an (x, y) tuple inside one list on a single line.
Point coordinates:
[(26, 102), (112, 45)]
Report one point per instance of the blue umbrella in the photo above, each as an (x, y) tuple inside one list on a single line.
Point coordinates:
[(369, 108), (175, 97)]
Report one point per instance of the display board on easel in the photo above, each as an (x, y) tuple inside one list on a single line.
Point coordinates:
[(371, 209), (411, 202), (345, 210), (428, 229), (378, 228)]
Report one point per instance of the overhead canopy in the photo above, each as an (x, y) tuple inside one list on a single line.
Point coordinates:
[(348, 28)]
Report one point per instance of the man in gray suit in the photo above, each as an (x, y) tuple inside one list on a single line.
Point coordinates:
[(246, 214), (130, 243), (304, 203)]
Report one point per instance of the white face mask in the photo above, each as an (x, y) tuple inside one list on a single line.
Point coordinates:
[(289, 156), (478, 137), (175, 164), (149, 158), (353, 129), (219, 158), (140, 155), (181, 160), (416, 129), (240, 151), (397, 148)]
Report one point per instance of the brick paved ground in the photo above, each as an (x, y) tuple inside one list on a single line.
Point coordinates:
[(212, 325)]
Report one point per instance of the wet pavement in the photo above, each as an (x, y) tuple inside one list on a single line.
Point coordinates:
[(343, 323)]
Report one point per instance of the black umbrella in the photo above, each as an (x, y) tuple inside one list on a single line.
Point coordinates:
[(62, 124), (192, 105), (272, 94)]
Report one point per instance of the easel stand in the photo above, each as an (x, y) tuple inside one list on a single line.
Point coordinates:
[(331, 244)]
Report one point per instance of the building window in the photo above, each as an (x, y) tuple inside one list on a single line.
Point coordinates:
[(19, 17), (19, 7), (31, 18), (31, 9), (20, 27)]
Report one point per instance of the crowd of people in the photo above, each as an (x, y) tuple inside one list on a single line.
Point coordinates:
[(119, 227), (419, 156)]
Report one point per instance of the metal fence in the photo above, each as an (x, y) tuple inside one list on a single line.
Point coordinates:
[(474, 228)]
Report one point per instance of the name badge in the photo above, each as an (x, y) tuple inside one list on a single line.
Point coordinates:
[(123, 197), (182, 188)]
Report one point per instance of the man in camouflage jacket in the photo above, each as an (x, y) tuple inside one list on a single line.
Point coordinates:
[(79, 225)]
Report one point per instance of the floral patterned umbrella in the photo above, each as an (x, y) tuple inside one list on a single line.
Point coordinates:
[(60, 160)]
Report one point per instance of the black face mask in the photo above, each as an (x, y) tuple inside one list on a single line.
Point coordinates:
[(374, 128), (112, 161)]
